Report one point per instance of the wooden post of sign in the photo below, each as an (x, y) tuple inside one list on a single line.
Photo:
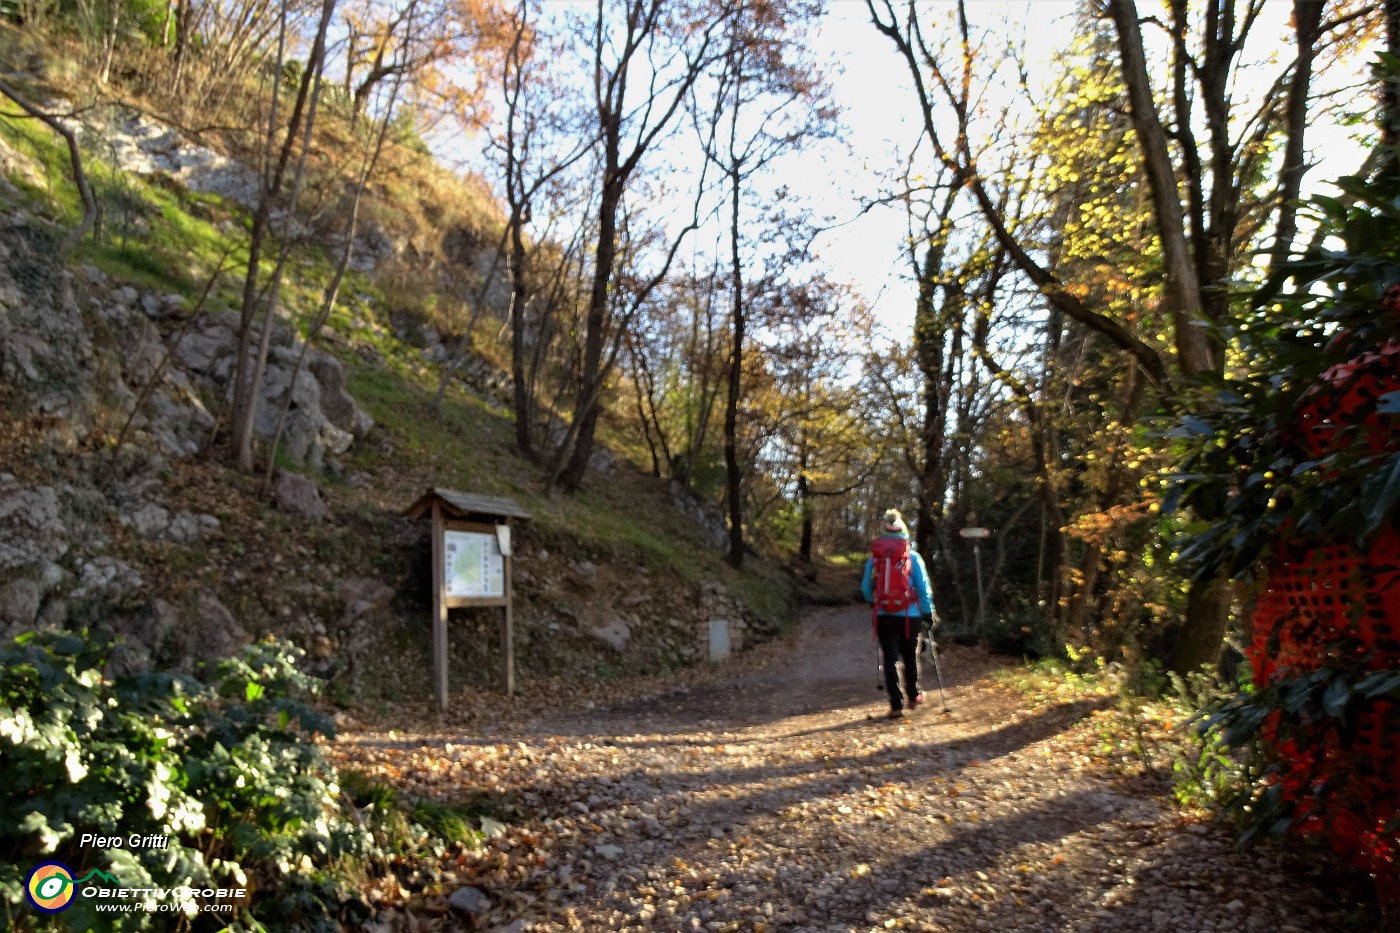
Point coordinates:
[(439, 609), (508, 637)]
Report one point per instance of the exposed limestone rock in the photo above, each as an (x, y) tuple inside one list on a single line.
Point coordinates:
[(203, 630), (19, 604), (177, 420), (142, 352), (46, 351), (143, 146), (141, 636), (187, 527), (208, 348), (340, 409), (178, 637), (365, 603), (148, 521), (297, 495), (31, 529), (105, 584), (615, 632), (154, 522), (710, 520)]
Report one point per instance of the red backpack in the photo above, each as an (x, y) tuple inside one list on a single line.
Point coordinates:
[(892, 576)]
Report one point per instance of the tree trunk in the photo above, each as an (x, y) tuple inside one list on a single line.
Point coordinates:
[(249, 373), (1307, 18), (1207, 618), (1390, 95), (519, 300), (1194, 351), (585, 421), (183, 16), (241, 374), (732, 474), (1207, 610), (165, 23), (75, 160), (928, 347), (109, 42), (804, 505)]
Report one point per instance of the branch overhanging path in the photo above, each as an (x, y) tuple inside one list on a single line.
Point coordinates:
[(771, 794)]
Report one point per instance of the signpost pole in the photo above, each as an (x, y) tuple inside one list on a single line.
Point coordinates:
[(439, 608), (975, 534), (508, 635), (977, 563)]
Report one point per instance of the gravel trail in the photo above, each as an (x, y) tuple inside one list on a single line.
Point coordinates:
[(778, 797)]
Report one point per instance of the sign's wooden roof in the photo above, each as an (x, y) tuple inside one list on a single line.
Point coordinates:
[(466, 505)]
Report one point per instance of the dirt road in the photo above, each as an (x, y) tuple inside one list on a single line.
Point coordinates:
[(779, 798)]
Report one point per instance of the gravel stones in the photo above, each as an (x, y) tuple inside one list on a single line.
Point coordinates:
[(470, 901)]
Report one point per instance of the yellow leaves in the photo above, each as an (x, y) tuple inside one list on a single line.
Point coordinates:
[(860, 871), (1097, 527)]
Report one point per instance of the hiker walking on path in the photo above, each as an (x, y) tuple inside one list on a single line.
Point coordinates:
[(896, 585)]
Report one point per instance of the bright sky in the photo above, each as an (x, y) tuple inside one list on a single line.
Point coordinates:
[(878, 103)]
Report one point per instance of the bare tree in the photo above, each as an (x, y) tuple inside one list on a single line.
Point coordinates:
[(332, 289), (274, 182), (75, 158), (768, 101), (662, 49), (535, 120)]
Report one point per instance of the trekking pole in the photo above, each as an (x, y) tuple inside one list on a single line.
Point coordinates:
[(933, 649), (879, 669)]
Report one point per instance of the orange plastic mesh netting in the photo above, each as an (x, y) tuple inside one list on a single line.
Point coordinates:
[(1318, 596)]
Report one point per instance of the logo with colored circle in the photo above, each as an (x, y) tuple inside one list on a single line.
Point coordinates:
[(50, 887)]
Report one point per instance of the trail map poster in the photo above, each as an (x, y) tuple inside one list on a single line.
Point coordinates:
[(474, 566)]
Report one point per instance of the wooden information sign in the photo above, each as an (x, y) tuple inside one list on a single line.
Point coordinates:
[(471, 567)]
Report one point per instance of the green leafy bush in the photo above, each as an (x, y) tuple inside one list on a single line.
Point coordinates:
[(224, 770), (1291, 462), (1212, 769), (1244, 472)]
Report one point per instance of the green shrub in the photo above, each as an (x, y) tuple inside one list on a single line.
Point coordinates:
[(1208, 771), (224, 770), (1021, 629), (1318, 712)]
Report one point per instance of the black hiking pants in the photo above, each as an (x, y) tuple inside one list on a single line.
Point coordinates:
[(899, 641)]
